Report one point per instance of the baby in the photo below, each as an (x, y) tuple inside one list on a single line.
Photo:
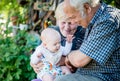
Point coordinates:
[(50, 52)]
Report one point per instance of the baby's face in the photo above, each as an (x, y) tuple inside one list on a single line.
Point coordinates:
[(53, 45)]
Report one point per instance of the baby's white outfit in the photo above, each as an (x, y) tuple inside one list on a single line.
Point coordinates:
[(50, 59)]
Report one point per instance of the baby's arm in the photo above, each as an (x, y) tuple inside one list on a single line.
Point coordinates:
[(68, 45), (36, 56), (69, 38)]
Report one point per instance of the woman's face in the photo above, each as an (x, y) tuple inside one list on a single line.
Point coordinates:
[(67, 27)]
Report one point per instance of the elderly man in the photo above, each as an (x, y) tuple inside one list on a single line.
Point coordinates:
[(98, 58)]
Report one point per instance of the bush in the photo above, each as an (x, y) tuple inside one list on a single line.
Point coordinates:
[(14, 57)]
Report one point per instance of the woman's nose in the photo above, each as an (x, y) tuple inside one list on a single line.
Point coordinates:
[(66, 26)]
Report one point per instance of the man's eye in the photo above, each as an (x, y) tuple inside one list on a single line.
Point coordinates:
[(72, 17)]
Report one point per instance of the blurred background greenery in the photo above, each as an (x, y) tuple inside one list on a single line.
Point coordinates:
[(15, 50)]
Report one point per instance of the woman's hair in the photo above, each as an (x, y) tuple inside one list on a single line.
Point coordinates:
[(59, 13)]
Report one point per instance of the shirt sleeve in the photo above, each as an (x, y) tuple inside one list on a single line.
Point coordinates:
[(101, 41), (67, 48)]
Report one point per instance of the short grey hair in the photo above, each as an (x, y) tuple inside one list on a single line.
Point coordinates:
[(79, 4)]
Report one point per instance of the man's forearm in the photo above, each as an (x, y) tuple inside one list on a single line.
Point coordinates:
[(78, 59)]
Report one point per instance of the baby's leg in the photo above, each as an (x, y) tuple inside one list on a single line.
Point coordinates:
[(65, 70), (47, 77)]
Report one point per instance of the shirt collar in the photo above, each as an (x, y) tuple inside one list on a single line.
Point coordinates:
[(97, 14)]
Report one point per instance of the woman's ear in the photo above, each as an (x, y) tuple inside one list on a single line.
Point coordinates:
[(87, 8)]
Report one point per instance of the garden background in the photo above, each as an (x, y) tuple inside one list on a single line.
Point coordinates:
[(15, 49)]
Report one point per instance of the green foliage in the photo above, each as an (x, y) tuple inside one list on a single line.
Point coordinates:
[(110, 2), (7, 5), (15, 57), (115, 3)]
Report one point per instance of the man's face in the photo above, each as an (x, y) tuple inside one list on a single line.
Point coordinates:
[(74, 15)]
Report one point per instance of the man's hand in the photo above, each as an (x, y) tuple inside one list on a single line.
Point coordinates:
[(69, 65)]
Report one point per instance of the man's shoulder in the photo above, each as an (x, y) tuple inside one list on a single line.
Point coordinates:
[(107, 13), (111, 12)]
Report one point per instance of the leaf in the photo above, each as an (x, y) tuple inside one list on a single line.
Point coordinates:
[(18, 73), (9, 76)]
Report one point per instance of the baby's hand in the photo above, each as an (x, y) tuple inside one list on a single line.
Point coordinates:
[(69, 38), (39, 55)]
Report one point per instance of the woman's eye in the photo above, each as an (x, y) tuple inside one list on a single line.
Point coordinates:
[(69, 23), (63, 22)]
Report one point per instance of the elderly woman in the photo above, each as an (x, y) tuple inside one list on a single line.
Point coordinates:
[(98, 58)]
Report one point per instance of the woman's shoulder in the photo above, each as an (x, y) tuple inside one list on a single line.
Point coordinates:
[(80, 31), (54, 27)]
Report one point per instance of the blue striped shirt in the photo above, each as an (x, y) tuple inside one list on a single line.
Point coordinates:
[(102, 44)]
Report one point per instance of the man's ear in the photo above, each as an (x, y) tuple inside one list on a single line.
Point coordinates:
[(87, 8)]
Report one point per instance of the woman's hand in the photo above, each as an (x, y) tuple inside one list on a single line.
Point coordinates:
[(67, 63), (37, 67), (62, 61)]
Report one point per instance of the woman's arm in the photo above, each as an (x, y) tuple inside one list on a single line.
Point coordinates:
[(68, 45)]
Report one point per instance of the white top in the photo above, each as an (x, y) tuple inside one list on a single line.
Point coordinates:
[(53, 58)]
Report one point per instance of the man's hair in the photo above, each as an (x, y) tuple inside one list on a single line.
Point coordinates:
[(79, 4)]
